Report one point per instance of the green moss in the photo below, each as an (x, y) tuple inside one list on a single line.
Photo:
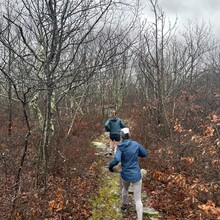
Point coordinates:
[(106, 204)]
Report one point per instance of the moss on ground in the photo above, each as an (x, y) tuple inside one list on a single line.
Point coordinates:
[(106, 204)]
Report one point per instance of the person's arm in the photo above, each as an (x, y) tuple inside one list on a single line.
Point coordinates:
[(122, 124), (115, 161), (142, 151), (107, 126)]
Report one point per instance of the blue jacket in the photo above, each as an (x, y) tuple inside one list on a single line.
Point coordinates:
[(114, 125), (127, 153)]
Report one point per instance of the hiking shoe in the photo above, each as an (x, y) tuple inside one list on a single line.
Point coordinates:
[(124, 207)]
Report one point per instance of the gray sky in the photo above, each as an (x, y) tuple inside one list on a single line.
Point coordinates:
[(184, 10)]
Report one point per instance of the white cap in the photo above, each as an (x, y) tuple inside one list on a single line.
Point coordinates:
[(125, 130)]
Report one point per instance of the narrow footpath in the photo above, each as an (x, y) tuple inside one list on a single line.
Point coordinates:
[(106, 204)]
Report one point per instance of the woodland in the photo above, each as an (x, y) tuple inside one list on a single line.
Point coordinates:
[(64, 64)]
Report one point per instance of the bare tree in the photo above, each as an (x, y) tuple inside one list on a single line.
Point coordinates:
[(198, 41), (58, 53), (23, 96), (154, 46)]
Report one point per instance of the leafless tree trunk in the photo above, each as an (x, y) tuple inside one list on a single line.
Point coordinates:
[(152, 56), (23, 98), (58, 49), (198, 42)]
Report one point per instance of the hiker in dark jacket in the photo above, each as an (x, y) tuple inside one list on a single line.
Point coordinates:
[(113, 125), (127, 153)]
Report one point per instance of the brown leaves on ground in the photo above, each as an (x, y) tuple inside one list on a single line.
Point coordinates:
[(72, 178), (210, 208), (183, 176), (182, 179)]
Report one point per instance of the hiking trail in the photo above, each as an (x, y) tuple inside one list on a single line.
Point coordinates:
[(106, 204)]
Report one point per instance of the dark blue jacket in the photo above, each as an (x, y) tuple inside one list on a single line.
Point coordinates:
[(127, 153), (114, 125)]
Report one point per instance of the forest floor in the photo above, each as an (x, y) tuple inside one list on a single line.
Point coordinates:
[(178, 194), (180, 188)]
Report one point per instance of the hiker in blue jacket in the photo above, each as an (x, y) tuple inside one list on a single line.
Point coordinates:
[(127, 153), (113, 125)]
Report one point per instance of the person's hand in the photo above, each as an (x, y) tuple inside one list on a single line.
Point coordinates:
[(111, 169)]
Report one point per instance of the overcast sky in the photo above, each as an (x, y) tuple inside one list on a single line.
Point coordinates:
[(184, 10)]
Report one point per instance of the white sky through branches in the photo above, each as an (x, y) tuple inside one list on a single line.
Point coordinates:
[(207, 11)]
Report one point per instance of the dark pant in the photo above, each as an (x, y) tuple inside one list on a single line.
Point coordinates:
[(115, 137)]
